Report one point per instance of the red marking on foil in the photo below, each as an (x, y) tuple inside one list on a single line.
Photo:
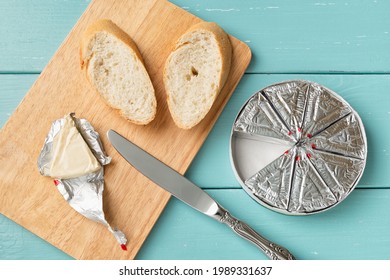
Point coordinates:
[(308, 156), (299, 129), (313, 146), (309, 135), (289, 133), (297, 158), (286, 152), (56, 182), (123, 246)]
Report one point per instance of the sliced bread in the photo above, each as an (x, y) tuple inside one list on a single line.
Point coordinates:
[(195, 72), (115, 68)]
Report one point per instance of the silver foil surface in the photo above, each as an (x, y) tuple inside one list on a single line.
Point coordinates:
[(273, 183), (289, 101), (340, 173), (327, 152), (309, 192), (259, 118), (85, 193), (323, 109), (343, 137)]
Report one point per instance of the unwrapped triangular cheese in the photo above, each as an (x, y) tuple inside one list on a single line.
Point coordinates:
[(71, 156)]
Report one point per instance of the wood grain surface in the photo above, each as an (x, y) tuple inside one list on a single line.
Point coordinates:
[(131, 202)]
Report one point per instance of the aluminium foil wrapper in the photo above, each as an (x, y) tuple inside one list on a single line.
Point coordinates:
[(327, 154), (84, 193)]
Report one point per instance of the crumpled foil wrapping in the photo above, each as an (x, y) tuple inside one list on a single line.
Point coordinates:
[(84, 193), (327, 156)]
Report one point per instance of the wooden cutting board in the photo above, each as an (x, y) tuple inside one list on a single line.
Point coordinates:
[(131, 202)]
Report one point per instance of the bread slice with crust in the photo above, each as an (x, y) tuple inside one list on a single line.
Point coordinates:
[(195, 72), (115, 68)]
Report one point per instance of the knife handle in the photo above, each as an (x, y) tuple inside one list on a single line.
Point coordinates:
[(270, 249)]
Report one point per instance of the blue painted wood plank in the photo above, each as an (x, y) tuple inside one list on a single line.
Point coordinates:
[(285, 36), (17, 243), (12, 90), (348, 231), (305, 36), (211, 168), (33, 30)]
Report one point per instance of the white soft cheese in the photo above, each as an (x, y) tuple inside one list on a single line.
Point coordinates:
[(71, 155)]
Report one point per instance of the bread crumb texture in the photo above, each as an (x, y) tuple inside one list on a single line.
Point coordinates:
[(117, 72), (195, 72)]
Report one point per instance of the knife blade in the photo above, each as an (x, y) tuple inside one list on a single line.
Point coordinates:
[(186, 191)]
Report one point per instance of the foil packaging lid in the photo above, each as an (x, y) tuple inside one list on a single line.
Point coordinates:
[(83, 192), (318, 150)]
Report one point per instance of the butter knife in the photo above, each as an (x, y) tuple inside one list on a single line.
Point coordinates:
[(186, 191)]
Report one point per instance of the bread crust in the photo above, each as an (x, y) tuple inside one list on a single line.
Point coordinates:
[(225, 49), (108, 26)]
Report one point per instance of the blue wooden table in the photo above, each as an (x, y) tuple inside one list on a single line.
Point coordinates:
[(344, 45)]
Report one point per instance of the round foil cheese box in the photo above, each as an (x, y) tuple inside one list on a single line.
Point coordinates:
[(298, 148)]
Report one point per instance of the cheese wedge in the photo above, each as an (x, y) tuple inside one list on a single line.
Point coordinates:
[(71, 155)]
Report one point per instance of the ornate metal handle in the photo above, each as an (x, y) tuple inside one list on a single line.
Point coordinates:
[(270, 249)]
